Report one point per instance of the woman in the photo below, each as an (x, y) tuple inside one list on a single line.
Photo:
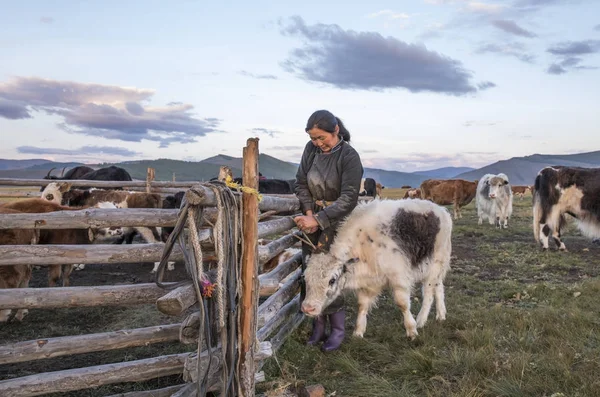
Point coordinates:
[(327, 185)]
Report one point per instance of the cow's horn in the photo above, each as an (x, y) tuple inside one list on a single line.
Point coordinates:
[(51, 169)]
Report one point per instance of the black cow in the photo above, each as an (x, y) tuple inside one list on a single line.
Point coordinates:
[(171, 202), (273, 186), (73, 173), (368, 187), (112, 173)]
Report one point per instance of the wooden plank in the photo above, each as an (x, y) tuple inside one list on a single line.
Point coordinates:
[(98, 184), (269, 251), (249, 271), (91, 217), (106, 295), (189, 390), (269, 282), (284, 332), (177, 301), (76, 344), (85, 378), (269, 308), (284, 315), (190, 372), (92, 253), (164, 392), (275, 226)]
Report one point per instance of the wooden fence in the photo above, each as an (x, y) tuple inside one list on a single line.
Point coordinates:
[(268, 324)]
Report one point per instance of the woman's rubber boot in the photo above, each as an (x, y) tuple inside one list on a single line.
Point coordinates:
[(318, 331), (336, 320)]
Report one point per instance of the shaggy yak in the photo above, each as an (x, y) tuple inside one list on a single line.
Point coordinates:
[(395, 243)]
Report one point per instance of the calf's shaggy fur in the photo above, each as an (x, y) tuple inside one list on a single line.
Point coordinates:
[(394, 243)]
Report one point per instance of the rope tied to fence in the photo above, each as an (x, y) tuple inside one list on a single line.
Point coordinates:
[(224, 290)]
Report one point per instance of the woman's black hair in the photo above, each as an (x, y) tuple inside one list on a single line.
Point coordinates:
[(326, 121)]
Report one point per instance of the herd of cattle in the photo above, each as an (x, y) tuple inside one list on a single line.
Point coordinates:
[(557, 191)]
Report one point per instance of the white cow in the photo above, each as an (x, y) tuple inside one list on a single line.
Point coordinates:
[(494, 200), (395, 243)]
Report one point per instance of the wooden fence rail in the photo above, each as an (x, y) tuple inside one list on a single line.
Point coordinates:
[(67, 345)]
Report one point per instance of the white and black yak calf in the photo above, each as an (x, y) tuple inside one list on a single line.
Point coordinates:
[(394, 243), (563, 190)]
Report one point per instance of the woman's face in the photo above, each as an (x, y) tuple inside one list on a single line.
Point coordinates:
[(324, 140)]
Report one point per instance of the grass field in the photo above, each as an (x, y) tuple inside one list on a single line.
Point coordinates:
[(520, 322)]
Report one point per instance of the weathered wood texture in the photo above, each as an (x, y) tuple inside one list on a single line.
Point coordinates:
[(289, 310), (284, 332), (269, 308), (111, 295), (269, 251), (84, 378), (190, 372), (93, 253), (98, 184), (249, 270), (189, 390), (164, 392), (189, 331), (63, 346), (275, 226), (269, 282), (177, 301)]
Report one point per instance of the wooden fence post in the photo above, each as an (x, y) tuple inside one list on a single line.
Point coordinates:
[(149, 179), (249, 271)]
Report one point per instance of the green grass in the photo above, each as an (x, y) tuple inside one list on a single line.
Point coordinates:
[(520, 322)]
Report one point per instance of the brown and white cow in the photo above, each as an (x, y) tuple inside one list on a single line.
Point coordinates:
[(520, 191), (15, 276), (561, 190), (412, 194), (393, 243), (56, 236), (457, 192)]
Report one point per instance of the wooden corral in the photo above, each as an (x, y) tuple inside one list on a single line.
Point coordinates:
[(263, 328)]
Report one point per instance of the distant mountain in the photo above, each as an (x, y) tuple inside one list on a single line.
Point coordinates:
[(523, 170), (445, 172), (520, 170), (6, 164)]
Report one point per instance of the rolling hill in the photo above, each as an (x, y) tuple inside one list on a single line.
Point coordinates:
[(520, 170), (445, 172), (523, 170)]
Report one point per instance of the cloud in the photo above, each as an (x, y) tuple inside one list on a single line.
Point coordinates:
[(366, 151), (575, 47), (516, 50), (471, 123), (512, 27), (411, 162), (286, 148), (111, 112), (47, 20), (13, 110), (368, 61), (84, 150), (389, 14), (570, 53), (567, 63), (485, 8), (266, 131), (597, 27), (258, 76)]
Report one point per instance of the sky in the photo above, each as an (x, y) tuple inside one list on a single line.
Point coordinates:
[(420, 84)]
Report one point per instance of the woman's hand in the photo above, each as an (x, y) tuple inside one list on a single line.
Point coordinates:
[(307, 223)]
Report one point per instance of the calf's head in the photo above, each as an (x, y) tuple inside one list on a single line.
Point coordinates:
[(496, 185), (325, 279)]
